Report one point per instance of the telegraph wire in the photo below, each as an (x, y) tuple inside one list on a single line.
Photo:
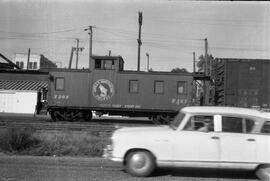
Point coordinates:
[(150, 39), (213, 22), (42, 33), (133, 34)]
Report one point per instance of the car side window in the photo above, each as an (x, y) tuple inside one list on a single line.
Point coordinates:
[(200, 123), (266, 127), (232, 124), (237, 124)]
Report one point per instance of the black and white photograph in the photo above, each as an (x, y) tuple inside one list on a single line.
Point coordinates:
[(127, 90)]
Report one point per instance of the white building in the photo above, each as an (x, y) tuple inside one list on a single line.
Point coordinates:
[(36, 61), (22, 92)]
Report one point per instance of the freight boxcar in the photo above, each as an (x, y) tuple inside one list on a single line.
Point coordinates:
[(107, 88), (242, 82)]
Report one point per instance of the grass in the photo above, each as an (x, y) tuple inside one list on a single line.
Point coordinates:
[(30, 142)]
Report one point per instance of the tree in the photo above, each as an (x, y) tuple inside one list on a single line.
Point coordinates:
[(179, 70), (201, 62), (151, 70)]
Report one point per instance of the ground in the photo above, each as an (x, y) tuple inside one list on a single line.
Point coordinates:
[(54, 168), (29, 168)]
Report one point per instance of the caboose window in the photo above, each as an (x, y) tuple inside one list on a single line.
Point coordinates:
[(104, 64), (108, 64), (159, 87), (181, 87), (97, 64), (133, 86), (59, 83)]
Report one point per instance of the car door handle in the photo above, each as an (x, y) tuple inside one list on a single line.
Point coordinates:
[(251, 139), (215, 137)]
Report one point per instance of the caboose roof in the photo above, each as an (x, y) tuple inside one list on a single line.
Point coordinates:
[(155, 72), (107, 57)]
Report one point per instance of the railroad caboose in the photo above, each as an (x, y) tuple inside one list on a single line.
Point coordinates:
[(107, 88)]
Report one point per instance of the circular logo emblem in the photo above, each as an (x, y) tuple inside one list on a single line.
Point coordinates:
[(103, 90)]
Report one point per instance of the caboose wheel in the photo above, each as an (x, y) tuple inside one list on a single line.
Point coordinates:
[(162, 119), (52, 115), (57, 115), (87, 115)]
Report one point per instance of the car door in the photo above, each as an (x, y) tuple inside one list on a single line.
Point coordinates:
[(237, 142), (193, 143)]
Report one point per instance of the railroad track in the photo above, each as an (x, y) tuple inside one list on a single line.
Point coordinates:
[(102, 127)]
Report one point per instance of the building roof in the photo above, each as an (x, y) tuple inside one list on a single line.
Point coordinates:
[(22, 85)]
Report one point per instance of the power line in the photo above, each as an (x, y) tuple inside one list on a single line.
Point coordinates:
[(35, 38), (239, 48), (42, 33), (217, 22), (132, 34)]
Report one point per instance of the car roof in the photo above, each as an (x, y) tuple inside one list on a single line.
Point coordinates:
[(225, 110)]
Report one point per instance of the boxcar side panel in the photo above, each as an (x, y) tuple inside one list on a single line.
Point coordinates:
[(265, 98), (247, 83), (232, 81)]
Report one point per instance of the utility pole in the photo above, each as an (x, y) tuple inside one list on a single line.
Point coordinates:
[(194, 63), (139, 40), (77, 49), (194, 96), (90, 33), (147, 54), (77, 52), (206, 57), (206, 72), (28, 58), (70, 58)]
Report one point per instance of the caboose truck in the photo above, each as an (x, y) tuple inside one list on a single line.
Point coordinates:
[(107, 88)]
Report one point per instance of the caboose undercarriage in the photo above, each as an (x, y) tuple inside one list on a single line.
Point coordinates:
[(70, 114), (85, 114)]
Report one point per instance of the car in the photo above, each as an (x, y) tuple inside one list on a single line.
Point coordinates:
[(198, 137)]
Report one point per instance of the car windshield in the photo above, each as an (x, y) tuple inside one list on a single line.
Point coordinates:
[(177, 120)]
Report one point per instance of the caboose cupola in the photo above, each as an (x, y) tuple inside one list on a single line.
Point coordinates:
[(115, 63)]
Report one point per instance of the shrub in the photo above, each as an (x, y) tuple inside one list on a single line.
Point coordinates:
[(70, 144), (17, 140), (28, 142)]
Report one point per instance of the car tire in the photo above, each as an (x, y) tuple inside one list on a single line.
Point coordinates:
[(263, 172), (140, 163)]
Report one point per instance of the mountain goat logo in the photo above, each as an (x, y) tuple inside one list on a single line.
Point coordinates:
[(103, 90)]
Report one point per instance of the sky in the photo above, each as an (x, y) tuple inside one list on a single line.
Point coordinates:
[(171, 30)]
